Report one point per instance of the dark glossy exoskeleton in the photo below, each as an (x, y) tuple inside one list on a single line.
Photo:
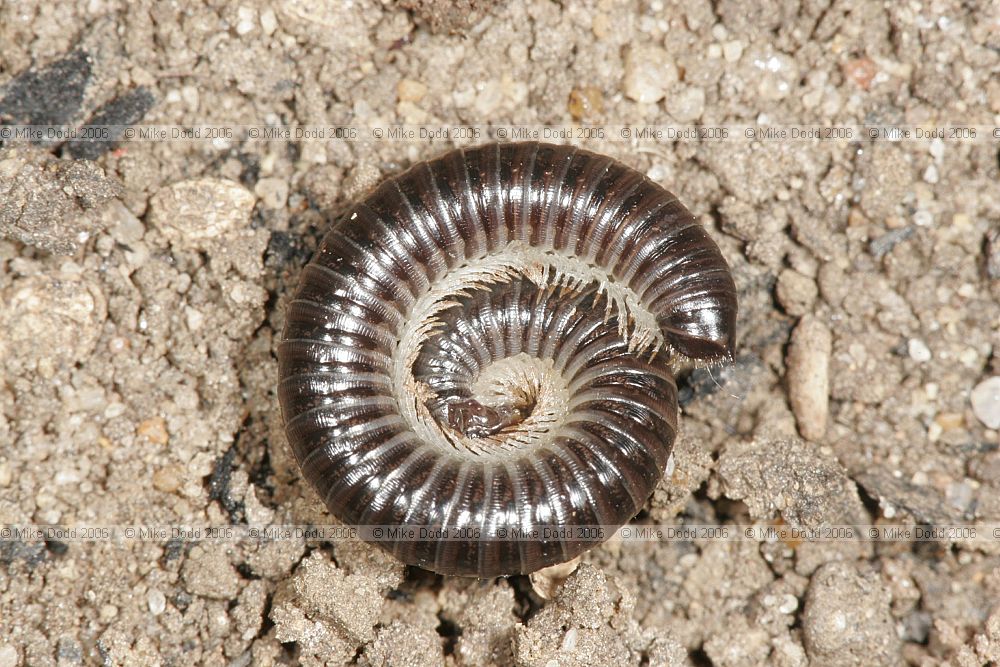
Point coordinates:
[(396, 433)]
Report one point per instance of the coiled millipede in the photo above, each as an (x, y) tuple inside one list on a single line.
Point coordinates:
[(483, 344)]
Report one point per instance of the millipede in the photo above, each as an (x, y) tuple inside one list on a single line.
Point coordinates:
[(484, 344)]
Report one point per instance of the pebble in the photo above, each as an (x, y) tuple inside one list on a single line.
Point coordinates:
[(688, 105), (123, 226), (789, 603), (194, 317), (796, 293), (193, 212), (268, 21), (273, 192), (600, 26), (586, 103), (154, 430), (808, 376), (489, 98), (777, 73), (649, 72), (985, 399), (408, 90), (157, 602), (108, 612), (167, 479), (245, 20), (8, 656), (846, 618), (918, 350), (65, 312), (861, 71), (936, 148), (732, 51)]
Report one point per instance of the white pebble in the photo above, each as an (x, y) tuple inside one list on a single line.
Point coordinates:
[(246, 20), (688, 105), (8, 656), (195, 319), (649, 71), (931, 174), (268, 21), (273, 192), (569, 640), (157, 602), (936, 148), (789, 604), (918, 350), (985, 399), (732, 51)]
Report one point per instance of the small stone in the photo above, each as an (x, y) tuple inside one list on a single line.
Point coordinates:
[(123, 226), (157, 602), (167, 479), (649, 72), (489, 98), (194, 317), (154, 429), (408, 90), (796, 292), (846, 618), (546, 582), (65, 311), (687, 106), (808, 376), (861, 71), (192, 213), (268, 21), (108, 612), (732, 51), (586, 103), (777, 73), (985, 399), (936, 148), (273, 192), (949, 421), (789, 603), (918, 350), (8, 656), (600, 25), (245, 20)]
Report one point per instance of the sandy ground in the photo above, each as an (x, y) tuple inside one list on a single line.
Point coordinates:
[(142, 287)]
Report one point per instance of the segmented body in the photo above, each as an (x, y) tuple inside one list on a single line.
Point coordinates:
[(483, 344)]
